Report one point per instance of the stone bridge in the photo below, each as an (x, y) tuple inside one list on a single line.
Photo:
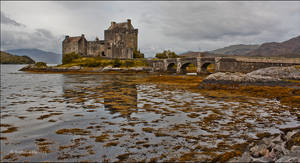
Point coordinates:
[(222, 64)]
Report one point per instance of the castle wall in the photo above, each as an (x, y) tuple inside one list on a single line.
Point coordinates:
[(69, 47), (82, 47), (108, 49), (96, 48), (131, 39)]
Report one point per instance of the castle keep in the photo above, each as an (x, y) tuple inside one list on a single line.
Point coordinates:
[(120, 40)]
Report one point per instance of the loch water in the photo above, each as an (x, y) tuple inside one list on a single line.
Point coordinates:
[(97, 117)]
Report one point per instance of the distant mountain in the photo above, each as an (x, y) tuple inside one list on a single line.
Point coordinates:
[(190, 54), (6, 58), (38, 55), (289, 48), (240, 49)]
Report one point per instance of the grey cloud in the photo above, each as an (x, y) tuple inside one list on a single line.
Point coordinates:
[(211, 25), (40, 38), (178, 26), (45, 33), (6, 20), (201, 21)]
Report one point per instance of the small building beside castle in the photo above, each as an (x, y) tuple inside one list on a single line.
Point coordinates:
[(120, 41)]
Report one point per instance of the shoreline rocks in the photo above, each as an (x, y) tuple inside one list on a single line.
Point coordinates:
[(291, 72), (46, 69), (266, 76), (284, 147)]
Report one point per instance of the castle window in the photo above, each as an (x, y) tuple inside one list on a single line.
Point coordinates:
[(102, 53)]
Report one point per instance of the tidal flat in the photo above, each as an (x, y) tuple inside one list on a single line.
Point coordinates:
[(137, 117)]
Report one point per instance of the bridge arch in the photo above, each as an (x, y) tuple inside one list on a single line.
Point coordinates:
[(208, 67), (188, 67), (171, 67)]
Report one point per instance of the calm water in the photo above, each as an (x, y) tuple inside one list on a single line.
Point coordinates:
[(110, 117)]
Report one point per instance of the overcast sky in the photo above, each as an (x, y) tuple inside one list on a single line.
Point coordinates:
[(177, 26)]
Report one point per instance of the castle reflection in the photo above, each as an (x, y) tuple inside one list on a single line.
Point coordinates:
[(115, 92)]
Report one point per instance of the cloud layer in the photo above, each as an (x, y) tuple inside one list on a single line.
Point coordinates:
[(178, 26)]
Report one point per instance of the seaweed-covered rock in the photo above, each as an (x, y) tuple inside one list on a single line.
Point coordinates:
[(278, 148), (292, 72), (265, 76), (238, 78), (259, 150)]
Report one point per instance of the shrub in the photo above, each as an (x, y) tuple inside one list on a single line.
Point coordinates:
[(92, 63), (117, 63), (137, 54), (129, 63), (166, 54), (67, 58), (40, 64)]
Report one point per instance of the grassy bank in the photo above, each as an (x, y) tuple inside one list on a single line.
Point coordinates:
[(101, 62)]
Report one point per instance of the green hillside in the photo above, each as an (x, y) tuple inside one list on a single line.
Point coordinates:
[(6, 58)]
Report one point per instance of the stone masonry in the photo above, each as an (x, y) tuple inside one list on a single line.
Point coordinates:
[(120, 40)]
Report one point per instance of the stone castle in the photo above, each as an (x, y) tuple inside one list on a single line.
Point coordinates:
[(120, 41)]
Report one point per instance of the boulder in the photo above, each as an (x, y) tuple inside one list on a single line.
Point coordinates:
[(238, 78), (259, 150), (265, 76), (273, 149), (295, 148), (288, 159), (278, 72)]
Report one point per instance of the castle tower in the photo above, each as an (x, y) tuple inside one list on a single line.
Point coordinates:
[(122, 39), (76, 45)]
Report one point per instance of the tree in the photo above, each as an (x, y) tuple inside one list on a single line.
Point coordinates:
[(137, 54), (117, 63), (166, 54)]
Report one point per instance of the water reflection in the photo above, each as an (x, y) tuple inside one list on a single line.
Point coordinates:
[(120, 97), (116, 93)]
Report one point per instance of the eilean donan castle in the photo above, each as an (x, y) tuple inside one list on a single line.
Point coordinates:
[(120, 40)]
